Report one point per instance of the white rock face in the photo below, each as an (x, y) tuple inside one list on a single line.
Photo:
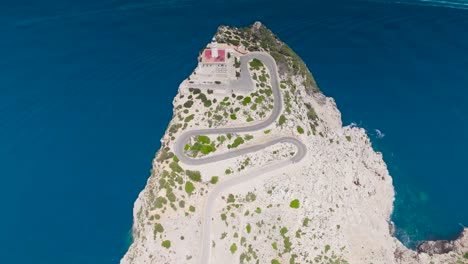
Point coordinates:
[(343, 190)]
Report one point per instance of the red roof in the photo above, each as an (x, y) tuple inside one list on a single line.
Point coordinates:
[(221, 56)]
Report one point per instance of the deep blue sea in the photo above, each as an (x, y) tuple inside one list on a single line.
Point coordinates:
[(86, 91)]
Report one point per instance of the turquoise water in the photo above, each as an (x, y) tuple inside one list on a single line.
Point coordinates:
[(86, 93)]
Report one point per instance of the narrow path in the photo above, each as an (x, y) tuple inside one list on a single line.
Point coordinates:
[(244, 81)]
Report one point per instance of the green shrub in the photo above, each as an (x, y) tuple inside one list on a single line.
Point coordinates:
[(193, 175), (282, 120), (233, 116), (189, 188), (250, 197), (164, 155), (188, 104), (234, 42), (238, 141), (283, 231), (311, 114), (214, 179), (158, 228), (166, 243), (294, 203), (175, 167), (174, 128), (256, 64), (300, 130), (348, 138), (206, 149), (246, 100), (231, 198), (274, 245), (189, 118), (204, 139), (233, 248)]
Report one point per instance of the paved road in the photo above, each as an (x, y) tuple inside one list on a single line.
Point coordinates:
[(243, 82)]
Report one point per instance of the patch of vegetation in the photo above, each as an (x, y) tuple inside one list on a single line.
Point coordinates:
[(256, 64), (189, 188), (248, 228), (189, 118), (300, 130), (164, 155), (348, 138), (294, 203), (250, 197), (238, 141), (188, 104), (228, 171), (175, 167), (233, 248), (267, 131), (311, 114), (327, 248), (202, 145), (233, 116), (246, 100), (231, 198), (174, 128), (234, 42), (275, 245), (193, 175), (282, 120), (214, 179), (237, 63), (204, 139), (274, 261), (166, 243), (158, 228)]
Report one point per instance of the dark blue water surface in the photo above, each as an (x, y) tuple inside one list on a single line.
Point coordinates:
[(86, 91)]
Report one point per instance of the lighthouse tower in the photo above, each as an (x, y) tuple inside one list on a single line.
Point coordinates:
[(214, 48)]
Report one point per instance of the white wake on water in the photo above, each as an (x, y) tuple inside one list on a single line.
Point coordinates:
[(379, 133), (457, 4)]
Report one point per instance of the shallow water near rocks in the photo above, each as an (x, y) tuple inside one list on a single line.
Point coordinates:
[(86, 93)]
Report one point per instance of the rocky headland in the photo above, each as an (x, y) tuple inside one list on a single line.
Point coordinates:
[(257, 167)]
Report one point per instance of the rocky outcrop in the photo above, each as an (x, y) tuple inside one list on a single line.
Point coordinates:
[(459, 245), (334, 206)]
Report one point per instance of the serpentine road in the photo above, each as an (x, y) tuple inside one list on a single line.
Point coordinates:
[(241, 84)]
